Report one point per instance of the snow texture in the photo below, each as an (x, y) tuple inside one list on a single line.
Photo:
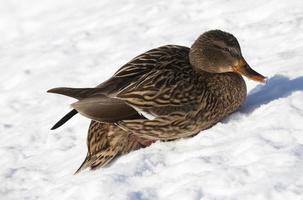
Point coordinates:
[(256, 153)]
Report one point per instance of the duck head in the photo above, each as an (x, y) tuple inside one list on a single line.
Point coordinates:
[(217, 51)]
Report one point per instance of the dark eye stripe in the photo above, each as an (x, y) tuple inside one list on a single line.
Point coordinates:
[(226, 49), (222, 48), (217, 46)]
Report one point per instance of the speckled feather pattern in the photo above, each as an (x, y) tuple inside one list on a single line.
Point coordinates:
[(105, 141), (162, 82)]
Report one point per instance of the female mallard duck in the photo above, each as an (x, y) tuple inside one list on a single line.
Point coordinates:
[(167, 93)]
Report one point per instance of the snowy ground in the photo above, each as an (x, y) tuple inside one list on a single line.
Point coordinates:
[(257, 153)]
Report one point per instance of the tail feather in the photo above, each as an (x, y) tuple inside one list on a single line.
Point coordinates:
[(64, 119), (77, 93)]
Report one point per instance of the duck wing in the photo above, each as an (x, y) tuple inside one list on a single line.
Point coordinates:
[(105, 109), (157, 82), (100, 108), (162, 82)]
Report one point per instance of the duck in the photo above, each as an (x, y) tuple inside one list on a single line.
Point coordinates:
[(164, 94)]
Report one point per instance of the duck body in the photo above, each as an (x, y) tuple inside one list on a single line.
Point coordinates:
[(158, 95), (168, 87)]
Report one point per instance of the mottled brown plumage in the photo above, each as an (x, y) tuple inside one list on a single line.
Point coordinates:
[(167, 93), (105, 141)]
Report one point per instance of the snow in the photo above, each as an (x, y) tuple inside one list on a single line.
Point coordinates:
[(256, 153)]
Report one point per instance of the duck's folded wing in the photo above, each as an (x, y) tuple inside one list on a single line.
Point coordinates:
[(158, 82), (105, 109), (156, 79), (143, 67), (160, 78), (95, 106)]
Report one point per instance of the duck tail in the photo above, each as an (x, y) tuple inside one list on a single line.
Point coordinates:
[(64, 119), (77, 93)]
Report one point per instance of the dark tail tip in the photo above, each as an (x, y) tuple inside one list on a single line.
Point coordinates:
[(57, 90), (57, 125), (64, 119), (77, 93), (51, 90)]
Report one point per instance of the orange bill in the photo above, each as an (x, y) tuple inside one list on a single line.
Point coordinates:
[(244, 69)]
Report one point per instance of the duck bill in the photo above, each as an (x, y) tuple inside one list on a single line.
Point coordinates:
[(244, 69)]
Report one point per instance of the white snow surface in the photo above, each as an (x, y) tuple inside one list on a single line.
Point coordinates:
[(256, 153)]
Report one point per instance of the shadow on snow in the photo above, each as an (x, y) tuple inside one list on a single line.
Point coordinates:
[(277, 87)]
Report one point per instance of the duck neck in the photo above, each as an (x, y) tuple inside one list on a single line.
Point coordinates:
[(197, 64), (194, 58), (197, 59)]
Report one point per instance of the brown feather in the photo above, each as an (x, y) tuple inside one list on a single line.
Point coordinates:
[(105, 109), (186, 89), (105, 141), (77, 93)]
